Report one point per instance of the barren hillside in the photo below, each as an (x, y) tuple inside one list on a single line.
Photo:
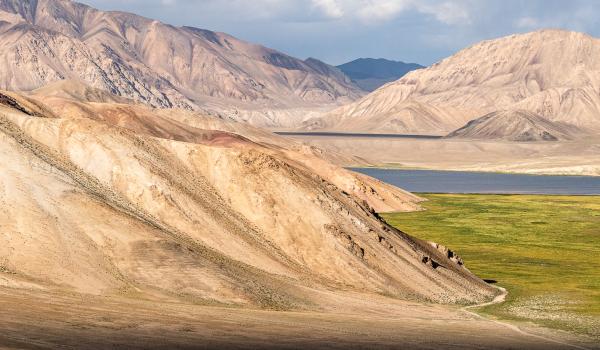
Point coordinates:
[(114, 199), (515, 125), (552, 73), (44, 41)]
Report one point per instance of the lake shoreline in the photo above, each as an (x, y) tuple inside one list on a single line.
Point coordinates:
[(561, 158), (476, 182), (482, 171), (356, 135)]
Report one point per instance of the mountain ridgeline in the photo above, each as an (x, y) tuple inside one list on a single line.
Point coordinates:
[(43, 41), (371, 73), (545, 82)]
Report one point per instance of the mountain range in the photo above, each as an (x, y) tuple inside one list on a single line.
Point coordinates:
[(43, 41), (141, 208), (372, 73), (552, 74), (143, 60)]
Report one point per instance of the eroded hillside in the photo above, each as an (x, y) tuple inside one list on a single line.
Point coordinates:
[(120, 199), (551, 73), (45, 41)]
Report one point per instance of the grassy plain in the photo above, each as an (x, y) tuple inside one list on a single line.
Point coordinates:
[(545, 250)]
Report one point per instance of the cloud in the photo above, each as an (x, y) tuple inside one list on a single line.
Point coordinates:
[(382, 10), (527, 22), (422, 31), (330, 8), (366, 11), (447, 12)]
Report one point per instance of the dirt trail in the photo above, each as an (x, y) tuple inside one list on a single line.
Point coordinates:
[(500, 299)]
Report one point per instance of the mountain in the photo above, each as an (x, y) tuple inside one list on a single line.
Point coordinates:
[(119, 199), (43, 41), (516, 125), (552, 73), (372, 73)]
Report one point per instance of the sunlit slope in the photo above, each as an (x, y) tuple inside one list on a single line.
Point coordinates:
[(551, 73), (89, 206), (45, 41)]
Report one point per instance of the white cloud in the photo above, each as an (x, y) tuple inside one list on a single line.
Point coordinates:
[(330, 8), (382, 10), (378, 11), (447, 12), (370, 12), (527, 22)]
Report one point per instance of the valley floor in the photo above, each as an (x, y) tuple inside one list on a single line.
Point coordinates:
[(40, 320), (554, 158), (542, 249)]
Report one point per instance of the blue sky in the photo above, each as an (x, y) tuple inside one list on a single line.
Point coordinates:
[(336, 31)]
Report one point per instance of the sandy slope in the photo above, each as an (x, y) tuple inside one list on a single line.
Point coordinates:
[(71, 99), (139, 228), (204, 214)]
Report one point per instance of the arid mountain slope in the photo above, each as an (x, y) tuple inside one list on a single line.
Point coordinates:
[(552, 73), (516, 125), (43, 41), (126, 201), (71, 99)]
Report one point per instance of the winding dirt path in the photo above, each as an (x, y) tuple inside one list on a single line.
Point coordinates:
[(500, 299)]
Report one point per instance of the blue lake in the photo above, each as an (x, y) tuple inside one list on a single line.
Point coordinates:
[(433, 181)]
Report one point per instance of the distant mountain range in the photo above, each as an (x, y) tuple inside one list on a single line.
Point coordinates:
[(543, 85), (371, 73), (43, 41)]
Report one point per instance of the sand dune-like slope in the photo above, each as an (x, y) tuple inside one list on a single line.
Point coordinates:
[(552, 73), (126, 201), (516, 125), (44, 41), (65, 99)]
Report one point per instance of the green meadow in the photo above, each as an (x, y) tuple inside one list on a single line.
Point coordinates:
[(545, 250)]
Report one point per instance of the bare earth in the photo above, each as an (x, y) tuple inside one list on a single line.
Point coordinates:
[(580, 157), (83, 321), (551, 74), (46, 41)]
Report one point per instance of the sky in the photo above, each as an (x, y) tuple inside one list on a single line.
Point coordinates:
[(338, 31)]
